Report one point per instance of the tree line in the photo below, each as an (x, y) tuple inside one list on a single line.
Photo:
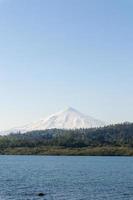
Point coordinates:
[(119, 135)]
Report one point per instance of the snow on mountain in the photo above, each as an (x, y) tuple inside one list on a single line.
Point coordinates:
[(67, 119)]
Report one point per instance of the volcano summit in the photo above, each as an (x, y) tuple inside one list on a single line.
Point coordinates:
[(69, 118)]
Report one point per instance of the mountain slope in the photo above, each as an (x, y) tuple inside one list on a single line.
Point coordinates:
[(67, 119)]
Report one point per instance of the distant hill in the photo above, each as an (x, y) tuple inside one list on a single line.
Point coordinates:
[(111, 140)]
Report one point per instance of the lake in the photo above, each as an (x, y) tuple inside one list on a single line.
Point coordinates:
[(66, 178)]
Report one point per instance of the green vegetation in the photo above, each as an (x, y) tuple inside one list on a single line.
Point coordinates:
[(110, 140)]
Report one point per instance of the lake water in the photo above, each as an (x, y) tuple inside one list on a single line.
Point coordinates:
[(66, 178)]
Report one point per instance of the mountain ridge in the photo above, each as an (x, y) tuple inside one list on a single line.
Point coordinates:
[(69, 118)]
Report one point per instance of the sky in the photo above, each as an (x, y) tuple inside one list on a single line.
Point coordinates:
[(60, 53)]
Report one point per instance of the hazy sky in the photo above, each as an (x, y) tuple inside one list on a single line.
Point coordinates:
[(58, 53)]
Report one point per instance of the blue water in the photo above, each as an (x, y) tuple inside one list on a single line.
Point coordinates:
[(66, 178)]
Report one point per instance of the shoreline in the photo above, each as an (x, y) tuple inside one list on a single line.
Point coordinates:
[(62, 151)]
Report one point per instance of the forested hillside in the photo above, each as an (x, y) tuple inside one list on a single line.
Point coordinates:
[(114, 136)]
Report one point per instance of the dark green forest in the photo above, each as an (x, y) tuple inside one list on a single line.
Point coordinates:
[(111, 140)]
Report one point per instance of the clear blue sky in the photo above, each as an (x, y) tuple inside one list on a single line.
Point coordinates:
[(58, 53)]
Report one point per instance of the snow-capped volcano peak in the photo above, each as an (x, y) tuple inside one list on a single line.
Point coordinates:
[(69, 118), (70, 109)]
